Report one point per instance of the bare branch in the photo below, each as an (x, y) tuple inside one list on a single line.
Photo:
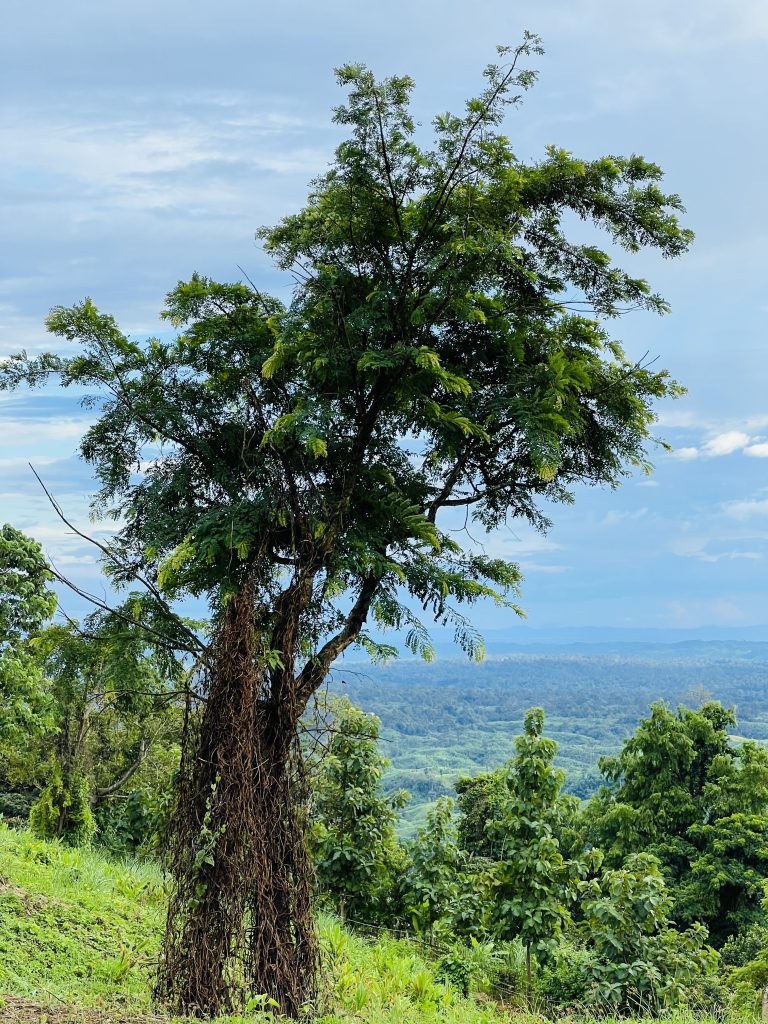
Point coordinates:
[(197, 646)]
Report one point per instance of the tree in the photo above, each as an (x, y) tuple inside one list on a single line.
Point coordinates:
[(683, 791), (113, 699), (641, 960), (433, 881), (443, 349), (480, 800), (353, 841), (26, 603), (532, 882)]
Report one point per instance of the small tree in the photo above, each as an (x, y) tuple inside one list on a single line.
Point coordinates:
[(432, 883), (641, 961), (532, 883), (480, 800), (443, 348), (726, 882), (112, 701), (352, 838), (26, 603)]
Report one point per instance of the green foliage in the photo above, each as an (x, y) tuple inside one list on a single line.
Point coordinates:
[(434, 883), (430, 358), (566, 975), (640, 960), (480, 799), (79, 935), (745, 946), (532, 883), (26, 603), (64, 811), (352, 839), (444, 348), (452, 719), (683, 791), (26, 600)]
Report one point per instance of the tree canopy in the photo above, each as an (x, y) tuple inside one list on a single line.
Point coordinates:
[(444, 348)]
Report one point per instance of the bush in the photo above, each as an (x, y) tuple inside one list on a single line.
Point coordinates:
[(739, 949), (566, 978), (64, 812)]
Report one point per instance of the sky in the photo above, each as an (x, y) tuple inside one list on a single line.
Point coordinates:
[(141, 142)]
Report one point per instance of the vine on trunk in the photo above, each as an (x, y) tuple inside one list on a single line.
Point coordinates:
[(240, 919)]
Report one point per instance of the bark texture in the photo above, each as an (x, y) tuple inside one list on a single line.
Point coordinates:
[(240, 917)]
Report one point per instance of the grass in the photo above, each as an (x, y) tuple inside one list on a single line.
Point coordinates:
[(75, 927), (80, 933)]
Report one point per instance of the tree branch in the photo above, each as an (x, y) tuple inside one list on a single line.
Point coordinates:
[(130, 771), (197, 646), (315, 670)]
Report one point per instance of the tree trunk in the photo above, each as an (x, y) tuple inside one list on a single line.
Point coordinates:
[(240, 920)]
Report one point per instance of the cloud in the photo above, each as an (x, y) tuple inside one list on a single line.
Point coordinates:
[(747, 509), (676, 417), (686, 454), (615, 517), (192, 158), (534, 567), (42, 431), (727, 443), (700, 548)]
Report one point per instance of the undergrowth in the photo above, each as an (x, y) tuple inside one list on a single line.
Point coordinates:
[(80, 933)]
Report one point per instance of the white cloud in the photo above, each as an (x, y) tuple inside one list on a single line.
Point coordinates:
[(686, 454), (36, 431), (757, 451), (534, 567), (614, 517), (189, 158), (37, 460), (75, 560), (747, 509), (677, 417), (700, 548), (726, 443)]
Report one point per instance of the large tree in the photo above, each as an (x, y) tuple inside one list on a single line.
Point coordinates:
[(683, 790), (443, 349)]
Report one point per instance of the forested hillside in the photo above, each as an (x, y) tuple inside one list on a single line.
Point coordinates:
[(453, 717)]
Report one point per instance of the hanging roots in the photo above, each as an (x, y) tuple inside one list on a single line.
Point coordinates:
[(240, 918)]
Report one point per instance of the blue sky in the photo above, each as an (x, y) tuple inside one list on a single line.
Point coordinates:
[(140, 142)]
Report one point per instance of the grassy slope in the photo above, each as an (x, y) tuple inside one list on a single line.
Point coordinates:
[(78, 935)]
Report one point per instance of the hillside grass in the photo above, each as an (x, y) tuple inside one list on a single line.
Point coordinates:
[(80, 934)]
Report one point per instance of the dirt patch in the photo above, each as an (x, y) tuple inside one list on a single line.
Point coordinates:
[(33, 903), (16, 1010)]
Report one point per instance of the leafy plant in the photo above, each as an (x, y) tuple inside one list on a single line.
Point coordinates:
[(352, 838), (640, 960)]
